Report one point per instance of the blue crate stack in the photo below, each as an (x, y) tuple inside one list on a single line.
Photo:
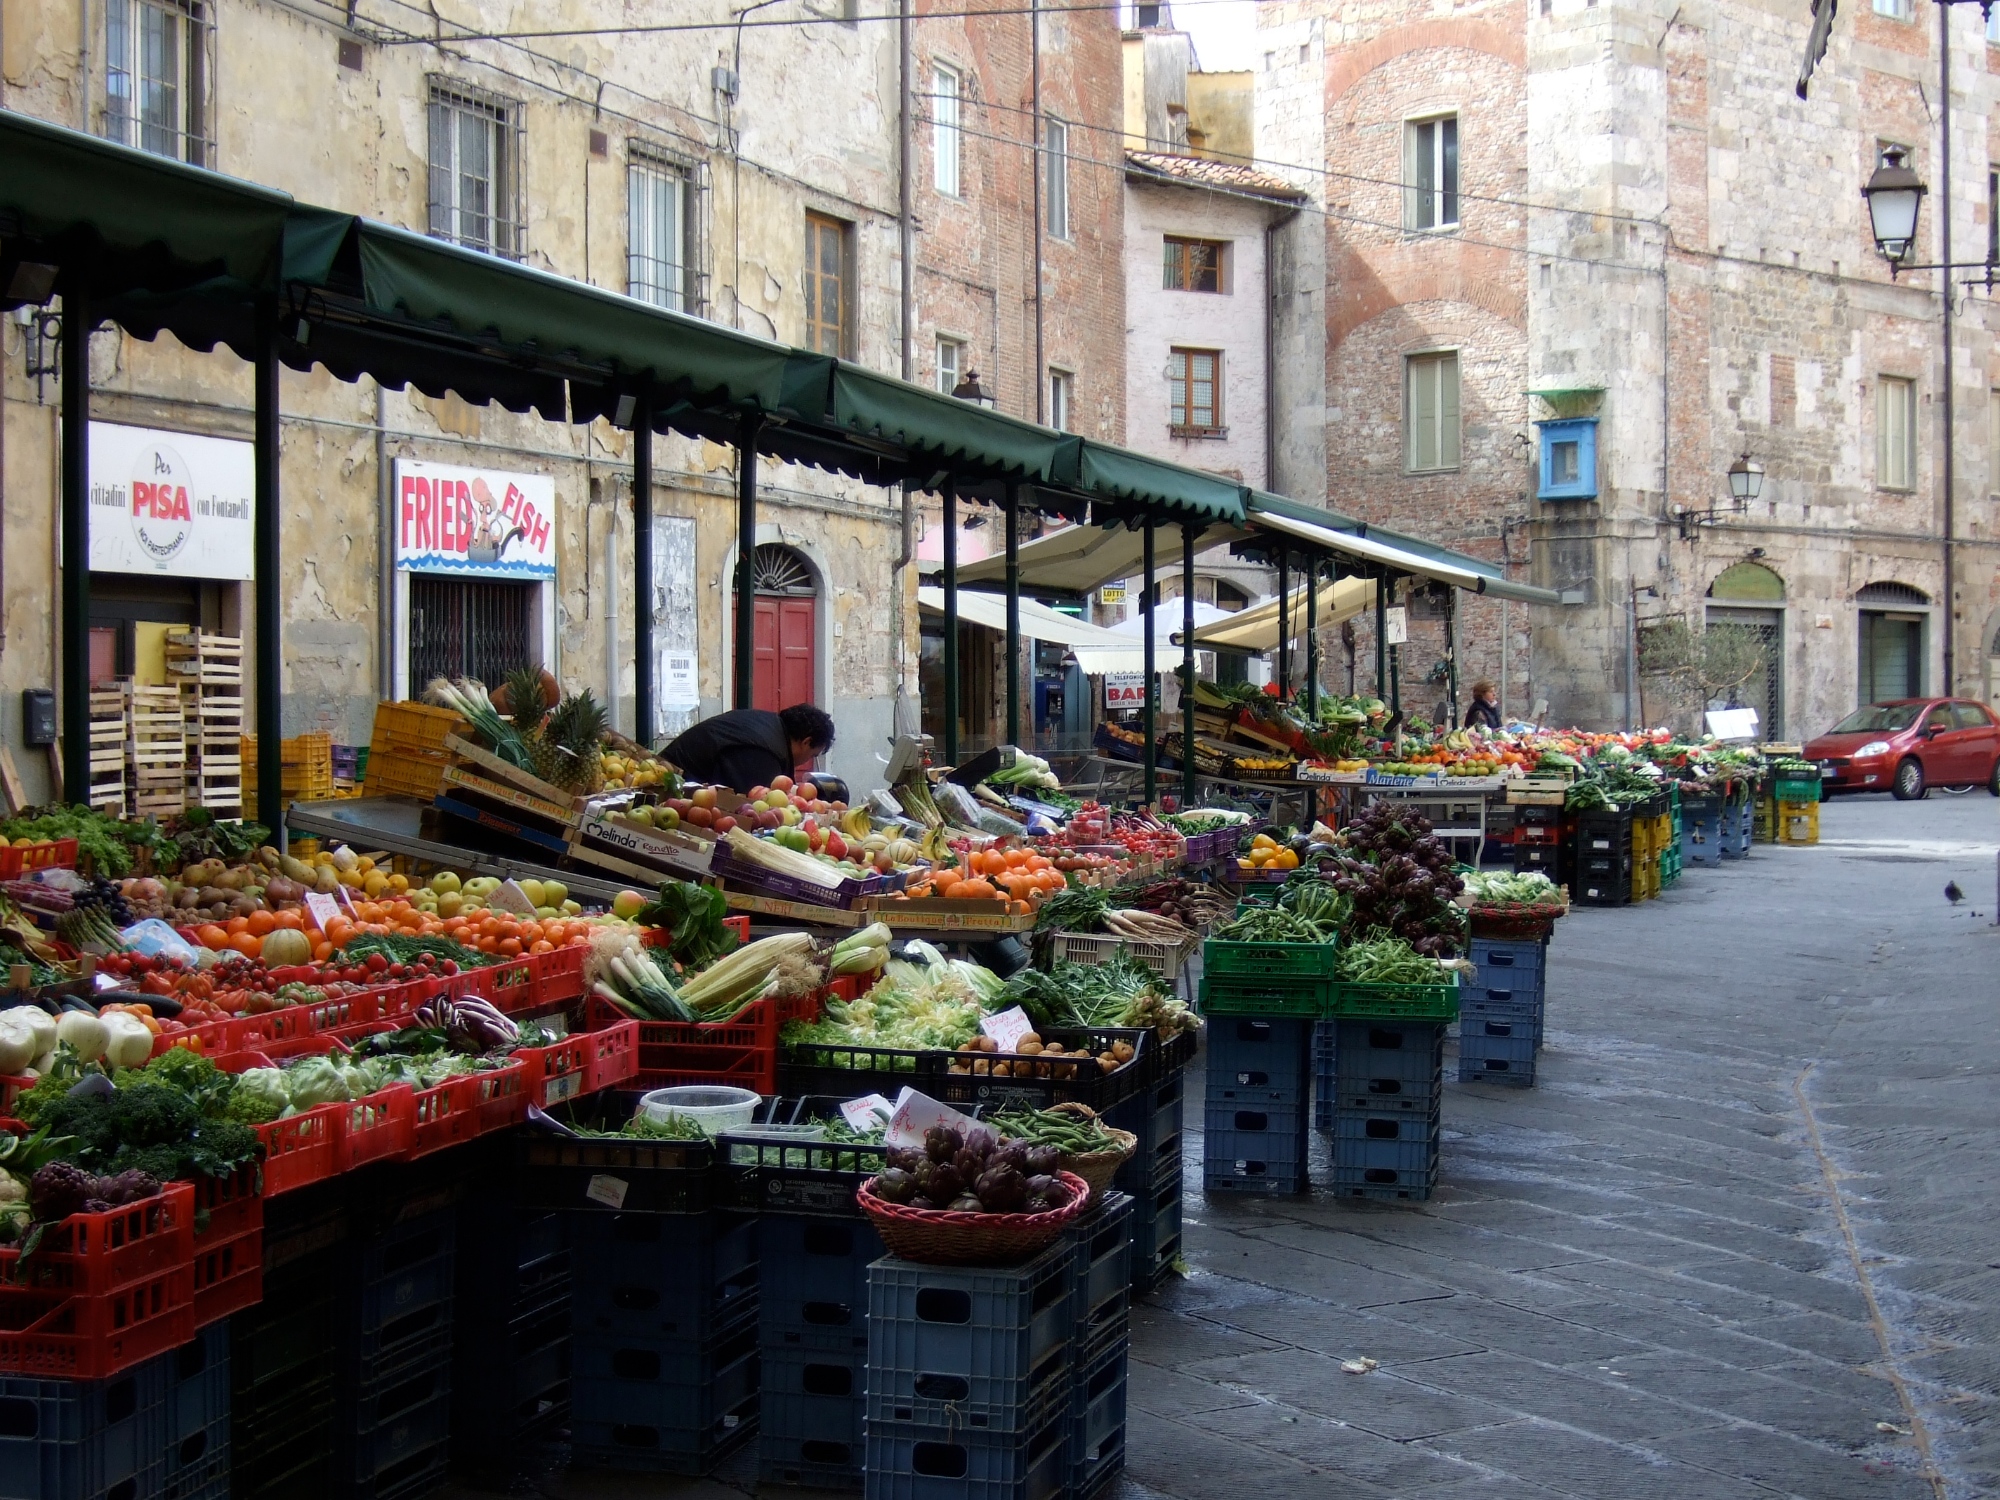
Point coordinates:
[(1739, 823), (1100, 1296), (196, 1381), (969, 1379), (85, 1439), (1254, 1115), (813, 1346), (510, 1335), (1156, 1115), (1701, 830), (392, 1435), (663, 1340), (282, 1379), (1384, 1103), (1501, 1012)]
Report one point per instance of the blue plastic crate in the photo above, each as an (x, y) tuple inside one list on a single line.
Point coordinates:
[(1477, 1034), (84, 1439), (1367, 1050), (1500, 1001), (814, 1397), (907, 1461), (1505, 1060), (1254, 1150), (1411, 1157), (1094, 1480), (634, 1408), (404, 1424), (1509, 954), (1097, 1412), (1383, 1182), (633, 1357), (1156, 1233), (197, 1382), (1256, 1053), (813, 1281), (1100, 1267), (1701, 831), (809, 1463), (198, 1462), (983, 1346), (1156, 1119), (670, 1276), (1363, 1125)]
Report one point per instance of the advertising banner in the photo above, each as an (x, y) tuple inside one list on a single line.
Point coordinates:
[(477, 523), (170, 502), (1124, 690)]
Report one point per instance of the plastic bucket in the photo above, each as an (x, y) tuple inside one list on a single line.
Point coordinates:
[(712, 1107)]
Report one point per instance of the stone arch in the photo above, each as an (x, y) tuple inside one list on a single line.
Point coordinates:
[(1749, 582), (1495, 38)]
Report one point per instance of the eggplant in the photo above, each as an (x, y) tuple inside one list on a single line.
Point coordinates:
[(165, 1007)]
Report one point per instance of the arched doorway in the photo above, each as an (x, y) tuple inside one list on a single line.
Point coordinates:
[(1749, 596), (1893, 618), (785, 629)]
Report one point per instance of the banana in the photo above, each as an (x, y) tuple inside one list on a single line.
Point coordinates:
[(856, 823)]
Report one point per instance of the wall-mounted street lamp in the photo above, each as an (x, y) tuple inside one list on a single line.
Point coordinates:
[(969, 389), (1746, 483)]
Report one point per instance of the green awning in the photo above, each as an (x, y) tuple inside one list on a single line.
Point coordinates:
[(951, 432), (1419, 558), (129, 219), (1117, 474)]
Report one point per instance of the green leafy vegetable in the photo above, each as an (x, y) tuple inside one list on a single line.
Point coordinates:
[(693, 916)]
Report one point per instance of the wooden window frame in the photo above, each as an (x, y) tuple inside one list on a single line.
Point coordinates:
[(842, 280), (1896, 472), (1178, 267), (1413, 455), (1183, 411)]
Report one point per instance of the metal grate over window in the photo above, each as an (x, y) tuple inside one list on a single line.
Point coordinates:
[(470, 627), (158, 62), (475, 162)]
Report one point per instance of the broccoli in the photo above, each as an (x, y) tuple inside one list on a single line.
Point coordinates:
[(158, 1130)]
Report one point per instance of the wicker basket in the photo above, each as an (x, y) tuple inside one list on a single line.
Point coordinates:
[(1516, 923), (947, 1237), (1098, 1167)]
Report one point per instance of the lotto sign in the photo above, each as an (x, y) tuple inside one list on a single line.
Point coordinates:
[(481, 523), (170, 502)]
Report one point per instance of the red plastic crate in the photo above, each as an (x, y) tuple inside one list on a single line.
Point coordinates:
[(498, 1098), (614, 1055), (378, 1128), (743, 1052), (559, 975), (228, 1277), (54, 1335), (233, 1206), (559, 1071), (309, 1020), (57, 854), (467, 1106), (91, 1255), (12, 1087), (300, 1150), (509, 985)]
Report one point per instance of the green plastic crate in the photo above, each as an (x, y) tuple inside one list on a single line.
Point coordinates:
[(1224, 959), (1397, 1002), (1265, 995), (1795, 789)]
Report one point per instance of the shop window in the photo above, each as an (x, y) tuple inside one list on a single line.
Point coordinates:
[(1569, 459), (471, 627)]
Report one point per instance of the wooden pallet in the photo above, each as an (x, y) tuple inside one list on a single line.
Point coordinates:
[(107, 751), (199, 656)]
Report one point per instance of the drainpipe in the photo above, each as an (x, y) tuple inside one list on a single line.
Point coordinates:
[(385, 557), (1945, 285), (905, 221), (1271, 347), (1039, 376)]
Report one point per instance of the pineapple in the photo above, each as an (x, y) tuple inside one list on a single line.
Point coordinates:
[(568, 750)]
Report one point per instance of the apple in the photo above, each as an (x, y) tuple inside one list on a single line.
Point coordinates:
[(532, 889), (704, 797), (444, 882), (781, 783), (806, 790), (757, 793), (724, 824), (667, 818), (701, 817), (627, 904), (641, 815), (790, 816), (554, 892)]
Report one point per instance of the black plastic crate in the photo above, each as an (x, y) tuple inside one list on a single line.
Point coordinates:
[(596, 1175), (809, 1463), (1039, 1082), (1156, 1120), (980, 1344), (813, 1291), (1382, 1182), (1256, 1149), (1097, 1417), (1156, 1234), (85, 1439), (664, 1275), (769, 1175), (909, 1461), (644, 1426), (811, 1418), (395, 1423)]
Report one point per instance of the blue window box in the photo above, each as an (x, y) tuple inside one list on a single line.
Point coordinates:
[(1569, 459)]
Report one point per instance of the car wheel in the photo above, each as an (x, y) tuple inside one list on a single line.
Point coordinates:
[(1993, 781), (1909, 784)]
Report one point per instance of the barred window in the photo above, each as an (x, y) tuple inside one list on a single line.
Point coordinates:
[(1194, 390), (657, 237), (475, 170), (156, 78)]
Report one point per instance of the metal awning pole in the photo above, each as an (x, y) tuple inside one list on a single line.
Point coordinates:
[(1188, 534), (1148, 726), (76, 541), (1451, 655), (1312, 635), (1284, 620), (950, 496), (746, 560), (643, 727), (1382, 635), (1013, 504), (270, 689), (1395, 674)]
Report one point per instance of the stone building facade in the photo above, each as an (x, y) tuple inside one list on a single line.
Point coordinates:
[(1658, 260), (743, 168)]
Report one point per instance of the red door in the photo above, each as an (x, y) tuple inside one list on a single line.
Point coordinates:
[(785, 631)]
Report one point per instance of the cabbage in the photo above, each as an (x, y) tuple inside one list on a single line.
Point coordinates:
[(260, 1096), (315, 1080)]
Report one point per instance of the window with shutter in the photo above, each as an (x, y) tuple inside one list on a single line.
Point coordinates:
[(1431, 412)]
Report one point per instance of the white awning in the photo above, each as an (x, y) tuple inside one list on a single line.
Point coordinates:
[(1370, 550), (1256, 629), (1038, 621), (1077, 559)]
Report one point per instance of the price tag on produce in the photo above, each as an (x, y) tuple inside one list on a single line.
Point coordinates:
[(510, 897), (610, 1191), (867, 1112), (916, 1113), (323, 908), (1007, 1028)]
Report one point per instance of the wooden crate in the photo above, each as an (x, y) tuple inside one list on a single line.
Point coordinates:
[(202, 657), (107, 751)]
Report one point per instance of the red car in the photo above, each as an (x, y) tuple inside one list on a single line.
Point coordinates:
[(1909, 745)]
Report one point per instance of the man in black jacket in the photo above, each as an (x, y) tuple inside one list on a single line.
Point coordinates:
[(751, 747)]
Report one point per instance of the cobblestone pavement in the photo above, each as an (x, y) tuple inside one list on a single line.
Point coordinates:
[(1739, 1242)]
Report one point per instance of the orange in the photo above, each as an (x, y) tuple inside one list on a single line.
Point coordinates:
[(510, 947), (290, 920), (322, 951), (246, 943), (543, 946), (212, 936), (236, 925), (260, 923)]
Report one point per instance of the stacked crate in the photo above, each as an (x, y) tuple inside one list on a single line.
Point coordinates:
[(306, 773), (1603, 859), (1670, 847), (155, 750), (406, 753), (1387, 1080), (196, 1379), (350, 765), (85, 1438), (1739, 825), (1500, 1014), (1100, 1294), (1254, 1117), (1794, 802), (969, 1378), (1538, 840), (207, 670), (1701, 830), (664, 1339), (1152, 1178), (282, 1376), (510, 1333), (813, 1347), (106, 792)]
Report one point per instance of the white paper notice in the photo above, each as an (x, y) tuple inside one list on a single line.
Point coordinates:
[(323, 908), (867, 1112), (916, 1113), (510, 897), (610, 1191), (680, 681), (1007, 1028)]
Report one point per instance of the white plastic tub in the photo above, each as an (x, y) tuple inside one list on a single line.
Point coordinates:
[(711, 1107)]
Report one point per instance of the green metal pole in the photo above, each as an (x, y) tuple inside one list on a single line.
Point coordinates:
[(1312, 635), (1188, 535), (1148, 727), (270, 647), (746, 562), (1013, 614), (950, 496), (75, 355), (1284, 620), (1382, 635)]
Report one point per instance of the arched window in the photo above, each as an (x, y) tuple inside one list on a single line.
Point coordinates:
[(777, 569), (1746, 596), (1892, 593), (1228, 596), (1751, 582)]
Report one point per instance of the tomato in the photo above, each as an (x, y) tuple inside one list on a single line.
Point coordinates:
[(376, 963)]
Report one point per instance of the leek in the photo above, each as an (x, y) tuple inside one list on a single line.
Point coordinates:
[(744, 972)]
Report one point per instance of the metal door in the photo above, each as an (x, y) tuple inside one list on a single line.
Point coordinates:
[(1765, 691), (1892, 662), (470, 627)]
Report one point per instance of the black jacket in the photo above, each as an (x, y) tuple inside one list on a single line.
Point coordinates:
[(743, 748), (1482, 715)]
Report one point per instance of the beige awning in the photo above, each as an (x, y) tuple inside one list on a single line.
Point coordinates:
[(1078, 559), (1256, 629), (1038, 621)]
